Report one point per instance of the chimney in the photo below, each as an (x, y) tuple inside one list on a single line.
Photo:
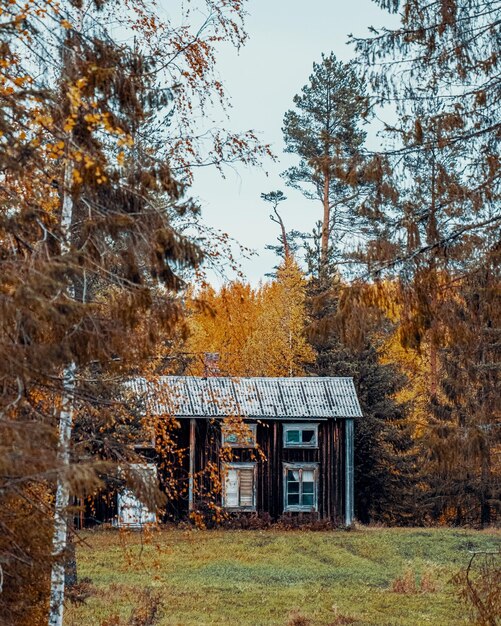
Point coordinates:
[(211, 364)]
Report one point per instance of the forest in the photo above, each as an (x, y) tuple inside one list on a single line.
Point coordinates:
[(107, 262)]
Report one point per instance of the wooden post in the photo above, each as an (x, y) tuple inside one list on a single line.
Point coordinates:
[(349, 492), (192, 465)]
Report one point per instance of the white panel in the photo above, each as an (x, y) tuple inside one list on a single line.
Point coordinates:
[(231, 488), (131, 511)]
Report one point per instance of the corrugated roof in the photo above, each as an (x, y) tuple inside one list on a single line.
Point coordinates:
[(265, 398)]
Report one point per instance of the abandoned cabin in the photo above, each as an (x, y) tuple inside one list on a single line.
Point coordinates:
[(292, 453)]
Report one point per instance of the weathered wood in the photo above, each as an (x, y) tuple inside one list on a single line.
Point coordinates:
[(201, 438), (191, 475)]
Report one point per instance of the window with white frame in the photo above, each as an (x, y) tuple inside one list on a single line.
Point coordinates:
[(239, 435), (300, 486), (239, 486), (303, 435)]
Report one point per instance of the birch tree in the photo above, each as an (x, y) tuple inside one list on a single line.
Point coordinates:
[(90, 261)]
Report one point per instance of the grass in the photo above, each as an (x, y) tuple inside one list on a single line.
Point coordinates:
[(259, 578)]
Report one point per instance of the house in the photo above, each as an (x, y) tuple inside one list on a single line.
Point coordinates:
[(282, 445)]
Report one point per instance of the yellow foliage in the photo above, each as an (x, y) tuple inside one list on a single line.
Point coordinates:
[(257, 332)]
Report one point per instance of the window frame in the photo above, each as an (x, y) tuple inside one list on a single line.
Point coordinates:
[(239, 444), (301, 426), (300, 467), (239, 466)]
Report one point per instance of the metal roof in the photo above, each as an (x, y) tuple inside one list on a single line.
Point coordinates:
[(265, 398)]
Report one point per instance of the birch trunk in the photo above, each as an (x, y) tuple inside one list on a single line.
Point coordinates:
[(62, 500), (60, 538)]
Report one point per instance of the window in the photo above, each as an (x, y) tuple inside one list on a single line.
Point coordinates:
[(239, 435), (300, 435), (300, 486), (239, 486)]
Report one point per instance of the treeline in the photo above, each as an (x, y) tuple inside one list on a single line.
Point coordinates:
[(414, 462), (401, 272)]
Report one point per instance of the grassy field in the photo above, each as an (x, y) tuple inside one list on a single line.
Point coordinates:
[(260, 578)]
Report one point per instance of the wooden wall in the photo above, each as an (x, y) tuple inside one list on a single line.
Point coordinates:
[(270, 497), (173, 471)]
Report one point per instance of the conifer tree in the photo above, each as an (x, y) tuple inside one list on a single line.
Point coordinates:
[(278, 345), (324, 131), (440, 222), (257, 332)]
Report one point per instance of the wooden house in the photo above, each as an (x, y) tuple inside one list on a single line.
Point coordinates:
[(282, 445)]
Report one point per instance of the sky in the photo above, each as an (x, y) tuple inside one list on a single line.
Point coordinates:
[(285, 38)]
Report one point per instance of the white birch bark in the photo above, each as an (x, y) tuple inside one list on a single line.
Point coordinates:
[(60, 537)]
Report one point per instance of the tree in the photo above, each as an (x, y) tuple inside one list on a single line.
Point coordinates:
[(275, 198), (324, 131), (348, 337), (441, 226), (463, 436), (278, 345), (439, 68), (257, 332), (90, 261)]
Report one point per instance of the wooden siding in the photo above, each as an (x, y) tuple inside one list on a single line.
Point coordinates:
[(173, 471), (269, 481)]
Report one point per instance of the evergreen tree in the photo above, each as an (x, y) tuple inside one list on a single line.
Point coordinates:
[(440, 217), (463, 434), (324, 131), (385, 463)]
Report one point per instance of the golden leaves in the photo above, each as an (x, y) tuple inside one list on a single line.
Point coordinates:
[(257, 332)]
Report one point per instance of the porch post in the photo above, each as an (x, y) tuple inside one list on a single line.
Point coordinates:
[(192, 464), (349, 492)]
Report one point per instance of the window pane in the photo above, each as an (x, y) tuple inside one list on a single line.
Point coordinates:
[(308, 476), (308, 488), (293, 475), (309, 436), (307, 499), (292, 498), (293, 487), (293, 436)]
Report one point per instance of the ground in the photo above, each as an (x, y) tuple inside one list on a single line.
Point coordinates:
[(373, 576)]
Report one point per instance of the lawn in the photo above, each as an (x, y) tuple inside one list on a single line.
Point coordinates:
[(260, 578)]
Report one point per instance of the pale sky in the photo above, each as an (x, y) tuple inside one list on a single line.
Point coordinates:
[(285, 38)]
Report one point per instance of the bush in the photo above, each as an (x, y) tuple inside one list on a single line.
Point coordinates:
[(479, 587)]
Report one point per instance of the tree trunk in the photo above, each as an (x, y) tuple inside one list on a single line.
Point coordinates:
[(324, 255), (70, 573), (62, 500)]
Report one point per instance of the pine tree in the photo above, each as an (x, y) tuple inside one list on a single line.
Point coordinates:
[(324, 131)]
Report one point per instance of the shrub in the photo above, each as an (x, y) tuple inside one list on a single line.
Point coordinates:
[(479, 587)]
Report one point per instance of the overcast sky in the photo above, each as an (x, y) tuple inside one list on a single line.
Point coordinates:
[(285, 38)]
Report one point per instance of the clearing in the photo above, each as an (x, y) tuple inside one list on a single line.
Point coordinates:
[(259, 578)]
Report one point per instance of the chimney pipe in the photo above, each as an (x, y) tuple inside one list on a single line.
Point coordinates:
[(211, 364)]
